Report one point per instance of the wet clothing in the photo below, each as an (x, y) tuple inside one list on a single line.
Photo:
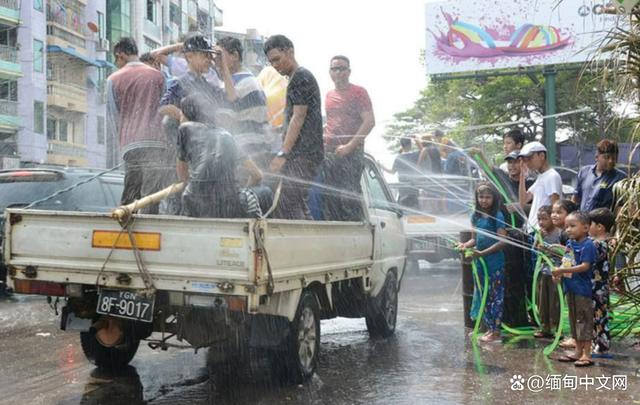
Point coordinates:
[(601, 335), (246, 117), (305, 157), (303, 90), (596, 191), (146, 171), (298, 175), (495, 269), (344, 114), (343, 173), (344, 118), (580, 316), (133, 97), (211, 97), (212, 191), (580, 283)]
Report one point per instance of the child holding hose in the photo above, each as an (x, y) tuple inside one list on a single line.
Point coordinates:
[(488, 228)]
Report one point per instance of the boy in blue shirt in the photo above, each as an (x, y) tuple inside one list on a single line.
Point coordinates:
[(576, 281)]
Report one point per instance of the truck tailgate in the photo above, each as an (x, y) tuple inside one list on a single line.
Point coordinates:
[(70, 246)]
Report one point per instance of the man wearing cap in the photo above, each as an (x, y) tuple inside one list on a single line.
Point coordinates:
[(133, 96), (198, 53), (547, 188)]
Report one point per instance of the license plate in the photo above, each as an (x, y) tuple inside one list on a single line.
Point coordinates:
[(126, 304)]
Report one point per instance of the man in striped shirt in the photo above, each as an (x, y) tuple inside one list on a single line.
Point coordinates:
[(245, 113)]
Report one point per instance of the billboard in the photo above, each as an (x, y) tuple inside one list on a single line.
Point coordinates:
[(472, 35)]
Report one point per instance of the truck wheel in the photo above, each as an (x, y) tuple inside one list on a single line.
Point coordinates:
[(302, 345), (382, 311), (113, 358)]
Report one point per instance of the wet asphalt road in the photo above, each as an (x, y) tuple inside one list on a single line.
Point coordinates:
[(430, 360)]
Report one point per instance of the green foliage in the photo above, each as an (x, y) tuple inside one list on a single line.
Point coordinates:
[(458, 104)]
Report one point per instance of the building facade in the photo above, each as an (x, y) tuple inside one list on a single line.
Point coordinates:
[(55, 56)]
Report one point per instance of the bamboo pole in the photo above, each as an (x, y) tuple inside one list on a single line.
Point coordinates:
[(121, 213)]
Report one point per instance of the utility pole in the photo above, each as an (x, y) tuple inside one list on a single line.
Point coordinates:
[(549, 74)]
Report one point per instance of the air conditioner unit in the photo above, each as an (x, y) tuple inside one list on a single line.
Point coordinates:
[(103, 45)]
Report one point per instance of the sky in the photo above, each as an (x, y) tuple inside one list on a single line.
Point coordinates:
[(383, 40)]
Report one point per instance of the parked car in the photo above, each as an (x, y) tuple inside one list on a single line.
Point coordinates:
[(21, 187)]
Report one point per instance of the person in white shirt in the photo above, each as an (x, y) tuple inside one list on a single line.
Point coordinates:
[(546, 190)]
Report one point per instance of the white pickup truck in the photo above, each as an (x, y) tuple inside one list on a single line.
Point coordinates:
[(232, 285), (443, 210)]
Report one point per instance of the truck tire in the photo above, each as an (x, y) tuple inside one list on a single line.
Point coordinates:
[(382, 311), (113, 358), (299, 359)]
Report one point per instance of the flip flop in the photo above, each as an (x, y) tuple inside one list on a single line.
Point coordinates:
[(583, 363), (567, 359)]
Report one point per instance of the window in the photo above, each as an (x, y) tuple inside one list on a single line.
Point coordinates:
[(102, 26), (377, 193), (38, 55), (151, 10), (38, 117), (175, 15), (51, 128), (9, 90), (37, 4), (9, 37), (100, 130), (62, 130)]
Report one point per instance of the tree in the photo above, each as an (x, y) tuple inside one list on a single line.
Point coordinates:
[(465, 106)]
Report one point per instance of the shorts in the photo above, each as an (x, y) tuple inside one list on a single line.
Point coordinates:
[(580, 316)]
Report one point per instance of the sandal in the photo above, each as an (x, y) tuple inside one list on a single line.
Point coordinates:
[(583, 363), (567, 359)]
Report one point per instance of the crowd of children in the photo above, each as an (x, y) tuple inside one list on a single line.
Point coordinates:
[(576, 246)]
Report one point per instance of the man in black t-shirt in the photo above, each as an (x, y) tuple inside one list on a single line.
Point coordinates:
[(302, 146)]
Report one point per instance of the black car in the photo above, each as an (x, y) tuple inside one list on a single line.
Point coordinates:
[(22, 187)]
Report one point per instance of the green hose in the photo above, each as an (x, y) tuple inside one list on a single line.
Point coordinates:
[(485, 293), (550, 348)]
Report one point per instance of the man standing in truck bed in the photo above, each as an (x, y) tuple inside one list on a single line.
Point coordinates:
[(133, 97), (349, 120)]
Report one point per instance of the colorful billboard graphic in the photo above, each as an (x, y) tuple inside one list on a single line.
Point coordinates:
[(472, 35)]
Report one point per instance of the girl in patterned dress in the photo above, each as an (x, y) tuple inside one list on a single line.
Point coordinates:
[(488, 227)]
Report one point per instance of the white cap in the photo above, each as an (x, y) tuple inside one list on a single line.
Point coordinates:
[(531, 148)]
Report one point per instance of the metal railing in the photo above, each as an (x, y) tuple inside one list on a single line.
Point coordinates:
[(65, 35), (8, 108), (8, 53), (12, 4)]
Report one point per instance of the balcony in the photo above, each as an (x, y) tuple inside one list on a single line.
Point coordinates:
[(9, 65), (68, 96), (66, 24), (10, 12), (66, 153), (9, 120), (61, 36)]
